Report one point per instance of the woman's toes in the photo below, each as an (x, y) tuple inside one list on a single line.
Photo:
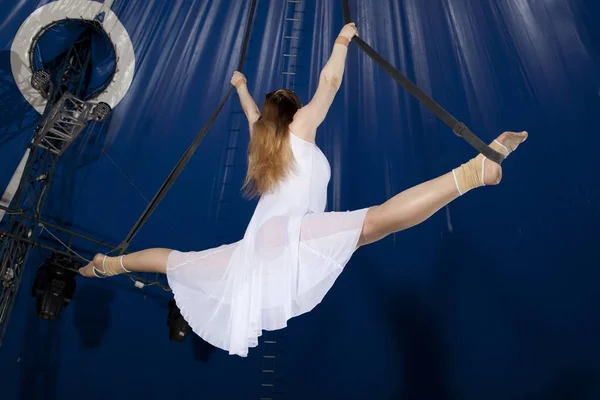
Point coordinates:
[(87, 271)]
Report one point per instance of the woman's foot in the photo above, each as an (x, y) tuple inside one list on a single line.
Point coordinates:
[(506, 144), (481, 171), (103, 266)]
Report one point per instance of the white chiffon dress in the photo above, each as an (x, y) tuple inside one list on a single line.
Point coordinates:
[(291, 254)]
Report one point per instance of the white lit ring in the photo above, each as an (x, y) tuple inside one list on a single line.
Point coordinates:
[(73, 9)]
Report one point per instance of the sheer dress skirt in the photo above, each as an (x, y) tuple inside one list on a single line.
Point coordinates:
[(280, 270)]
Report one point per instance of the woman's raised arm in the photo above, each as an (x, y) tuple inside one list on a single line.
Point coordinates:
[(307, 119)]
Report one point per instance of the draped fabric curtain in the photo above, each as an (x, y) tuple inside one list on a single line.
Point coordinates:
[(494, 297)]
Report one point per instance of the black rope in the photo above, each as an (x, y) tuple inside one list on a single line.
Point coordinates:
[(191, 149), (457, 127)]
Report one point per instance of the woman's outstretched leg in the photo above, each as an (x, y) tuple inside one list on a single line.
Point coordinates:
[(151, 260), (418, 203)]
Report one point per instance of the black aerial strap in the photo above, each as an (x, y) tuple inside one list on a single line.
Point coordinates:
[(457, 127), (191, 149)]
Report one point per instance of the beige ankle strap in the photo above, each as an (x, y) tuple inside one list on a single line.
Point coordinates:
[(122, 266), (471, 175), (104, 273)]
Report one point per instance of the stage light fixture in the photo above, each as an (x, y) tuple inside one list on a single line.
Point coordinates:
[(178, 327), (54, 285)]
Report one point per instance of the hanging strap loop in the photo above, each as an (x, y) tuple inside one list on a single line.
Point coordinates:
[(185, 158)]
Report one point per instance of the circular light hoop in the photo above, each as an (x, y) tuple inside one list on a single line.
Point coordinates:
[(71, 9)]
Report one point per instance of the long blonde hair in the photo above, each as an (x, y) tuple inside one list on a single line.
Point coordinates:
[(270, 157)]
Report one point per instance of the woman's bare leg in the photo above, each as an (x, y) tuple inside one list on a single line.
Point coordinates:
[(408, 208), (418, 203), (151, 260)]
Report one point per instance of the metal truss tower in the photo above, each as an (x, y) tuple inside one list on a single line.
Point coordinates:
[(66, 115)]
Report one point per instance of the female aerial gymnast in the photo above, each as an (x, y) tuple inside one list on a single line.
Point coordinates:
[(292, 250)]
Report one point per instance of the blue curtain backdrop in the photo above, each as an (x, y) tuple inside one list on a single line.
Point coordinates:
[(495, 297)]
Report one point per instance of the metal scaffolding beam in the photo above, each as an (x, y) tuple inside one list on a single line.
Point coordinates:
[(30, 196), (66, 115), (65, 121)]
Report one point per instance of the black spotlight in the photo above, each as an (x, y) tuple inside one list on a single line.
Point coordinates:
[(54, 285), (101, 111), (41, 80), (178, 327)]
